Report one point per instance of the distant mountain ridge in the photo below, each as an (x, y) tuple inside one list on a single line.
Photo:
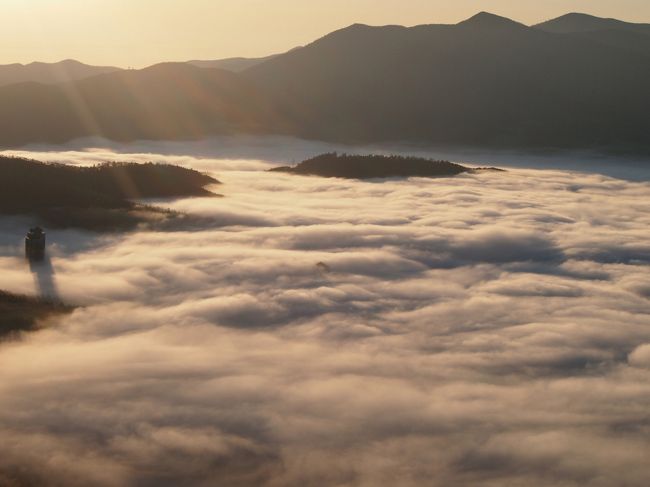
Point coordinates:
[(71, 70), (61, 72), (609, 32), (164, 101), (579, 22), (234, 64), (486, 82)]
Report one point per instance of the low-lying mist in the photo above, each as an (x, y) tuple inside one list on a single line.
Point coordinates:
[(291, 150), (486, 329)]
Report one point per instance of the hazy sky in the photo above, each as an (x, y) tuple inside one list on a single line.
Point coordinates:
[(141, 32)]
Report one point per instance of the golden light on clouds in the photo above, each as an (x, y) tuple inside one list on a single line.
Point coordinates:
[(487, 329), (128, 33)]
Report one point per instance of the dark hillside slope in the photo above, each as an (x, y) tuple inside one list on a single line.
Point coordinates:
[(98, 198), (487, 81), (27, 185), (23, 313), (609, 32), (167, 101), (234, 64)]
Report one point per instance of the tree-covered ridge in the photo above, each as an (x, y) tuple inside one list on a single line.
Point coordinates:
[(27, 185), (98, 198), (23, 313), (373, 166)]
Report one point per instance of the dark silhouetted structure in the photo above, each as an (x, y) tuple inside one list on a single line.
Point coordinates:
[(35, 244)]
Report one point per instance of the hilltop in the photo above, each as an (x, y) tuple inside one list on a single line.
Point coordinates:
[(101, 197), (335, 165)]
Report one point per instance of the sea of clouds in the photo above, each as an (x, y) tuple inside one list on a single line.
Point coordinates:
[(488, 329)]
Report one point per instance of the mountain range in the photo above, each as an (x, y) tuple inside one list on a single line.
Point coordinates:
[(61, 72), (576, 82), (234, 64)]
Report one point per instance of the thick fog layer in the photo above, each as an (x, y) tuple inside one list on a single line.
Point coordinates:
[(489, 329), (290, 149)]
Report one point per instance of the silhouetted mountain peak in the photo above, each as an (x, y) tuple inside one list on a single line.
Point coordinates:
[(579, 22), (355, 33), (580, 16), (491, 21), (357, 28)]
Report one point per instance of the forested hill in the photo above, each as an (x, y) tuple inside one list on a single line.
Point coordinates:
[(22, 313), (27, 185), (372, 166), (99, 198)]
